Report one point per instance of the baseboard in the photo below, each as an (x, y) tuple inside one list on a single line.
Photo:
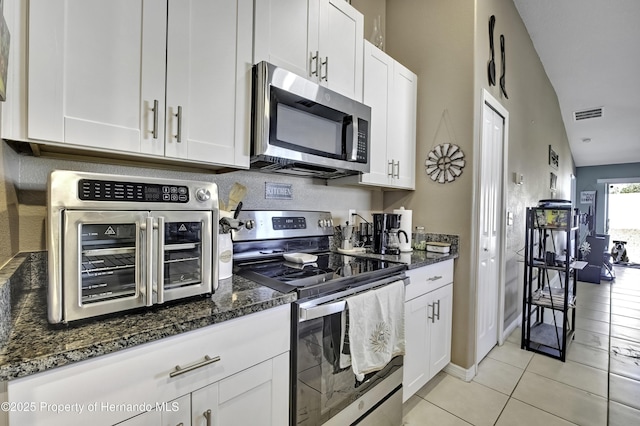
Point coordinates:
[(466, 374), (507, 331)]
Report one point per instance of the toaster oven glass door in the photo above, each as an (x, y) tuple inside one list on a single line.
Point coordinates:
[(104, 262), (184, 264)]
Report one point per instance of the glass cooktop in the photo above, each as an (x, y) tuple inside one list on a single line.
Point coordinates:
[(329, 267)]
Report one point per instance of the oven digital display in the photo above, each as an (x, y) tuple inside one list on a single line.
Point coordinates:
[(289, 223)]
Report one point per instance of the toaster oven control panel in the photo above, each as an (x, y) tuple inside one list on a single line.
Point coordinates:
[(104, 190)]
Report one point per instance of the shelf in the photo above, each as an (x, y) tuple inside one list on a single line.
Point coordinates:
[(543, 339), (542, 298)]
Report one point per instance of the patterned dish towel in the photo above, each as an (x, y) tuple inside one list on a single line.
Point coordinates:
[(375, 330)]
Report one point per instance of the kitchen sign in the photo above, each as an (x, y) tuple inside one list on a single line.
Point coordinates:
[(587, 197), (278, 191)]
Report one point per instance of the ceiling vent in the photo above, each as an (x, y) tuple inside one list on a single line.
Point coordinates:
[(587, 114)]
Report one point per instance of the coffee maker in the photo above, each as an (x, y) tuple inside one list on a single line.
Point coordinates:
[(386, 233)]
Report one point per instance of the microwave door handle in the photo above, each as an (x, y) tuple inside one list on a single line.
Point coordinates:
[(353, 156), (160, 262), (147, 227)]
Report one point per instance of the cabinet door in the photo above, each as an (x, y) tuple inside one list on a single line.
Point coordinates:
[(402, 126), (177, 412), (286, 35), (208, 77), (378, 71), (416, 359), (341, 29), (87, 83), (257, 395), (144, 419), (440, 329)]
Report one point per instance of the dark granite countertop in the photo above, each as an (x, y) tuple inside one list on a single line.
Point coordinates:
[(414, 259), (31, 345)]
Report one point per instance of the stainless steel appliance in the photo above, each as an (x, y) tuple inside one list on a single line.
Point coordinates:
[(321, 392), (302, 128), (122, 242)]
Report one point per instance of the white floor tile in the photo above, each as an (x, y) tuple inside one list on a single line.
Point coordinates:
[(624, 390), (510, 353), (562, 400), (571, 373), (515, 336), (498, 375), (593, 325), (519, 413), (472, 402), (623, 358), (589, 338), (588, 355), (627, 333), (593, 315), (623, 415), (625, 321), (416, 411)]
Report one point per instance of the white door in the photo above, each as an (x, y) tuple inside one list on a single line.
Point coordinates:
[(490, 215), (441, 301), (401, 139), (204, 75), (416, 360)]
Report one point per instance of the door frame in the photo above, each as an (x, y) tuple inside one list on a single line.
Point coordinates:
[(493, 103)]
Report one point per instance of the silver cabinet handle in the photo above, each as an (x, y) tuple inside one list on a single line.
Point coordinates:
[(155, 119), (313, 70), (181, 370), (435, 278), (433, 312), (397, 176), (179, 134), (160, 262), (326, 69), (438, 314), (207, 415), (390, 165)]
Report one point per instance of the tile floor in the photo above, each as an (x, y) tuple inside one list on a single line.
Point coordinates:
[(599, 384)]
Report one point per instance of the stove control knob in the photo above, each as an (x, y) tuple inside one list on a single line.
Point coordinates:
[(250, 224), (203, 195)]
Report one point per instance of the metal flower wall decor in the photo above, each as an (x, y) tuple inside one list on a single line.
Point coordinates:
[(445, 163)]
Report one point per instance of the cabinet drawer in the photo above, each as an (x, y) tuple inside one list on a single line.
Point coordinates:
[(428, 278), (131, 381)]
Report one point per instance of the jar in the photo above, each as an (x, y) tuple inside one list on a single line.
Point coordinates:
[(420, 239)]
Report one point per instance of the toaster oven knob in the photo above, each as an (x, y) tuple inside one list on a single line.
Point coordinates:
[(203, 194), (250, 224)]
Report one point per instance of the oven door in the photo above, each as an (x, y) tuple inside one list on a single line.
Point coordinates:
[(104, 259), (184, 265), (324, 393)]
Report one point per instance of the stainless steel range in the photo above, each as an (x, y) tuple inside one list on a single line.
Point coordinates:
[(290, 251)]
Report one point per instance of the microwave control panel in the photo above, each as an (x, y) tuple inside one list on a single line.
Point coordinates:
[(105, 190), (363, 138)]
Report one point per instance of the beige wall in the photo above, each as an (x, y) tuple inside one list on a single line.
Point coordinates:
[(445, 42)]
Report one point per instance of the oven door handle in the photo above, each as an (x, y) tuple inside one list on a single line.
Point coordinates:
[(320, 311), (160, 262), (148, 257), (338, 302)]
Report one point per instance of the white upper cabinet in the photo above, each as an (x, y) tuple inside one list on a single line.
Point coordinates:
[(390, 89), (100, 72), (321, 40)]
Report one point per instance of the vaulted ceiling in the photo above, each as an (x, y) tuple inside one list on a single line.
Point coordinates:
[(590, 50)]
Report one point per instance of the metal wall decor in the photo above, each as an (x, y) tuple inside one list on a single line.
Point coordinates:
[(554, 160), (491, 71), (445, 163)]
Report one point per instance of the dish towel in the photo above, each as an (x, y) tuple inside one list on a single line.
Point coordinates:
[(374, 329)]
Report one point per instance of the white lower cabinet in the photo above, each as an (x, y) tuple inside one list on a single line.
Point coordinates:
[(235, 372), (428, 315)]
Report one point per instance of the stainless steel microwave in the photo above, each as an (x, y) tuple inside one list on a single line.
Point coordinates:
[(123, 242), (303, 128)]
